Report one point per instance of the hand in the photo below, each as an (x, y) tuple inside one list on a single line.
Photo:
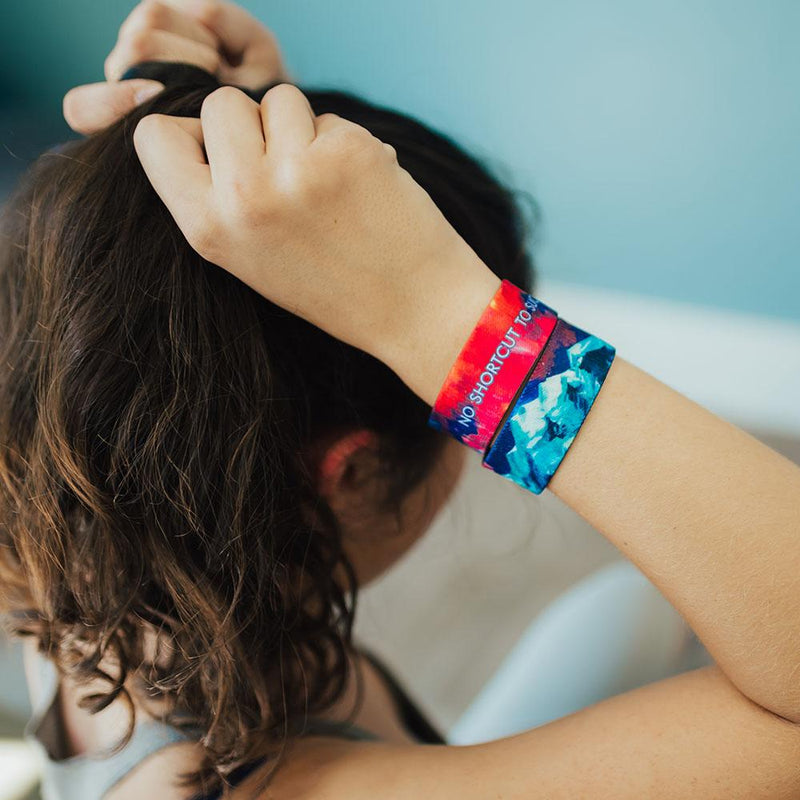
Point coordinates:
[(316, 214), (217, 36)]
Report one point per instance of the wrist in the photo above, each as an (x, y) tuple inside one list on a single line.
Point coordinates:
[(450, 300)]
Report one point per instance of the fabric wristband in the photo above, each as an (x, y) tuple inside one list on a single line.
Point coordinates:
[(499, 354), (550, 409)]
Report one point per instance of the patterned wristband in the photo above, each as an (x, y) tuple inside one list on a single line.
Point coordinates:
[(500, 353), (551, 408)]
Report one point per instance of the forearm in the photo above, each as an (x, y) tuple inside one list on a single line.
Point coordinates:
[(692, 736), (710, 514)]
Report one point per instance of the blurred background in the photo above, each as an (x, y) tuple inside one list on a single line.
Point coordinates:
[(660, 142)]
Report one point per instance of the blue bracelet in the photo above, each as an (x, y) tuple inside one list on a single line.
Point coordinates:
[(546, 416)]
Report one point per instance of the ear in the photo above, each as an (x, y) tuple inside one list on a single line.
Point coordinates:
[(347, 469)]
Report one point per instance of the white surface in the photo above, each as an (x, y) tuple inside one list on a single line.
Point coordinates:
[(610, 633), (743, 367), (19, 769), (446, 615)]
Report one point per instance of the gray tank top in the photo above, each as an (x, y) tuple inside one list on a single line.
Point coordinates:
[(88, 777)]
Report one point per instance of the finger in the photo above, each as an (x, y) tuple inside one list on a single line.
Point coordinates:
[(171, 152), (236, 29), (192, 126), (259, 66), (95, 106), (233, 134), (288, 119), (251, 54), (158, 46), (152, 15)]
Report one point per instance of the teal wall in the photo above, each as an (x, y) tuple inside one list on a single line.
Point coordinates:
[(661, 139)]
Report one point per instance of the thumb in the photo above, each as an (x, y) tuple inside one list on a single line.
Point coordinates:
[(94, 106)]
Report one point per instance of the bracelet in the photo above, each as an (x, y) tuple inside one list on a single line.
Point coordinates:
[(550, 409), (501, 351)]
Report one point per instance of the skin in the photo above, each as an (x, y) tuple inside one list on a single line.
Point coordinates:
[(218, 36), (317, 215)]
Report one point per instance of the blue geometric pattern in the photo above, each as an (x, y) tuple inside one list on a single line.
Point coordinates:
[(552, 407)]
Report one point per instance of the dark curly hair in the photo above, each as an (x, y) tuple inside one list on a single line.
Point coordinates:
[(155, 416)]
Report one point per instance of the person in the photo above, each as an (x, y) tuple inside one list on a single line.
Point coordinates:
[(162, 426)]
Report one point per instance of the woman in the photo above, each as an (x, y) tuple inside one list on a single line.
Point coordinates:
[(195, 482)]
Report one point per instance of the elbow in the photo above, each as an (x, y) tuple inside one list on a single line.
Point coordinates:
[(785, 705), (777, 694), (790, 715)]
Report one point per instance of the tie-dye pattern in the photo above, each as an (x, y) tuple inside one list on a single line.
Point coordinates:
[(551, 408), (474, 423)]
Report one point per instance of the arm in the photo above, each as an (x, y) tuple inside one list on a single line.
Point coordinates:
[(693, 737), (316, 215), (709, 514)]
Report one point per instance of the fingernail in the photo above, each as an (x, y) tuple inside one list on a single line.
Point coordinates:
[(146, 92)]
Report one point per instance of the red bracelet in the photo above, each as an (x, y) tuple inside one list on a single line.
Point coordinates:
[(492, 366)]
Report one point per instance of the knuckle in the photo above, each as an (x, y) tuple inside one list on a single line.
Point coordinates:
[(148, 15), (154, 15), (354, 142), (149, 127), (204, 231), (372, 147), (281, 91), (137, 45), (204, 237), (218, 99), (207, 11)]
